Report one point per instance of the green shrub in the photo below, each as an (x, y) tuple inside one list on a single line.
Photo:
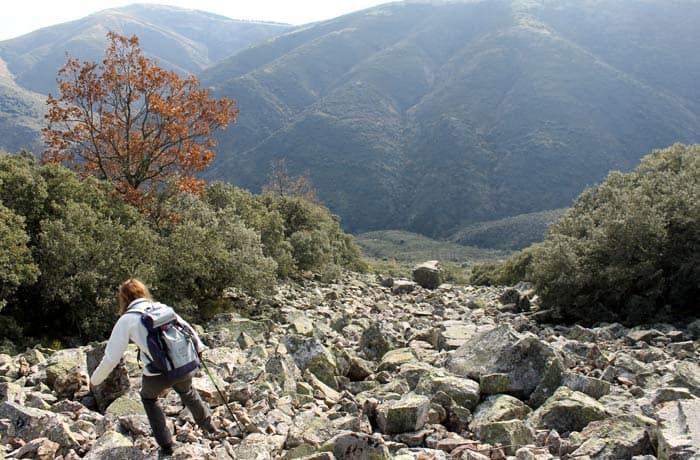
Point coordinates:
[(17, 267), (508, 272), (629, 249)]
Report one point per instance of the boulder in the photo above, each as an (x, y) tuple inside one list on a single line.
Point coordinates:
[(255, 446), (679, 429), (309, 353), (39, 448), (694, 329), (10, 391), (27, 422), (595, 388), (65, 372), (125, 405), (282, 370), (403, 287), (462, 391), (394, 359), (427, 274), (533, 368), (685, 374), (351, 445), (377, 340), (566, 411), (617, 437), (114, 446), (115, 385), (509, 433), (499, 408), (409, 413), (455, 333)]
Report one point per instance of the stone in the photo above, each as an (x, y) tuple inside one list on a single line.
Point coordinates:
[(27, 422), (39, 448), (616, 437), (685, 374), (427, 274), (394, 359), (61, 433), (531, 364), (406, 414), (377, 340), (61, 364), (508, 433), (114, 446), (115, 385), (679, 429), (595, 388), (566, 411), (462, 391), (533, 453), (642, 335), (309, 353), (358, 369), (124, 405), (455, 333), (498, 408), (301, 324), (10, 391), (255, 446), (351, 445), (403, 287)]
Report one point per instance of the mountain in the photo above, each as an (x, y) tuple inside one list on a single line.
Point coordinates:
[(21, 113), (186, 41), (183, 40), (429, 116)]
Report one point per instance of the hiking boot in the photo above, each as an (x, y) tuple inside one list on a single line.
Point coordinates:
[(165, 452), (212, 431)]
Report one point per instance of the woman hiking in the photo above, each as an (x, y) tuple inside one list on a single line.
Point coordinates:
[(134, 298)]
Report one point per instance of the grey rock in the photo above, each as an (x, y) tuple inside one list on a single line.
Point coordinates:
[(595, 388), (509, 433), (27, 423), (427, 274), (617, 437), (694, 329), (462, 391), (403, 287), (309, 353), (394, 359), (115, 385), (409, 413), (685, 374), (377, 340), (114, 446), (567, 411), (679, 429), (532, 366), (455, 333), (499, 408), (358, 446)]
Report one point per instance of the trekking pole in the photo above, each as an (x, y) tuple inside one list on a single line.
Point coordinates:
[(230, 411)]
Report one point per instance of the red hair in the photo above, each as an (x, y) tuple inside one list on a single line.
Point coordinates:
[(129, 291)]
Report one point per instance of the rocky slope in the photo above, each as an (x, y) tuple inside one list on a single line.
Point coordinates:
[(370, 369)]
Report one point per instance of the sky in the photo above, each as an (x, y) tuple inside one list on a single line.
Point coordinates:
[(19, 17)]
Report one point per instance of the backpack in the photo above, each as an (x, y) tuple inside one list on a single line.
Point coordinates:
[(171, 346)]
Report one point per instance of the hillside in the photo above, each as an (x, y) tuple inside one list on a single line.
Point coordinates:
[(184, 40), (430, 116), (21, 113), (510, 233)]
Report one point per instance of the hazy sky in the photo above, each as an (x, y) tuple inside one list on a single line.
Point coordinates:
[(19, 17)]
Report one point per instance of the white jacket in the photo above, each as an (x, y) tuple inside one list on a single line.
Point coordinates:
[(129, 327)]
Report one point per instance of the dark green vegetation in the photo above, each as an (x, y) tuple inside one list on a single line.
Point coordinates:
[(413, 248), (428, 117), (66, 243), (185, 41), (629, 249)]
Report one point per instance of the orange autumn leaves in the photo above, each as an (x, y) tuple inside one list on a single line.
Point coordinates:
[(133, 123)]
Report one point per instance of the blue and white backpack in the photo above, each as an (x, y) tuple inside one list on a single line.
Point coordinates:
[(171, 345)]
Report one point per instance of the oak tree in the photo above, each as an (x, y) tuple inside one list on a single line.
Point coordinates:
[(133, 123)]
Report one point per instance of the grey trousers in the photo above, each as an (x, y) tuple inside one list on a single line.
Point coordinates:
[(153, 386)]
